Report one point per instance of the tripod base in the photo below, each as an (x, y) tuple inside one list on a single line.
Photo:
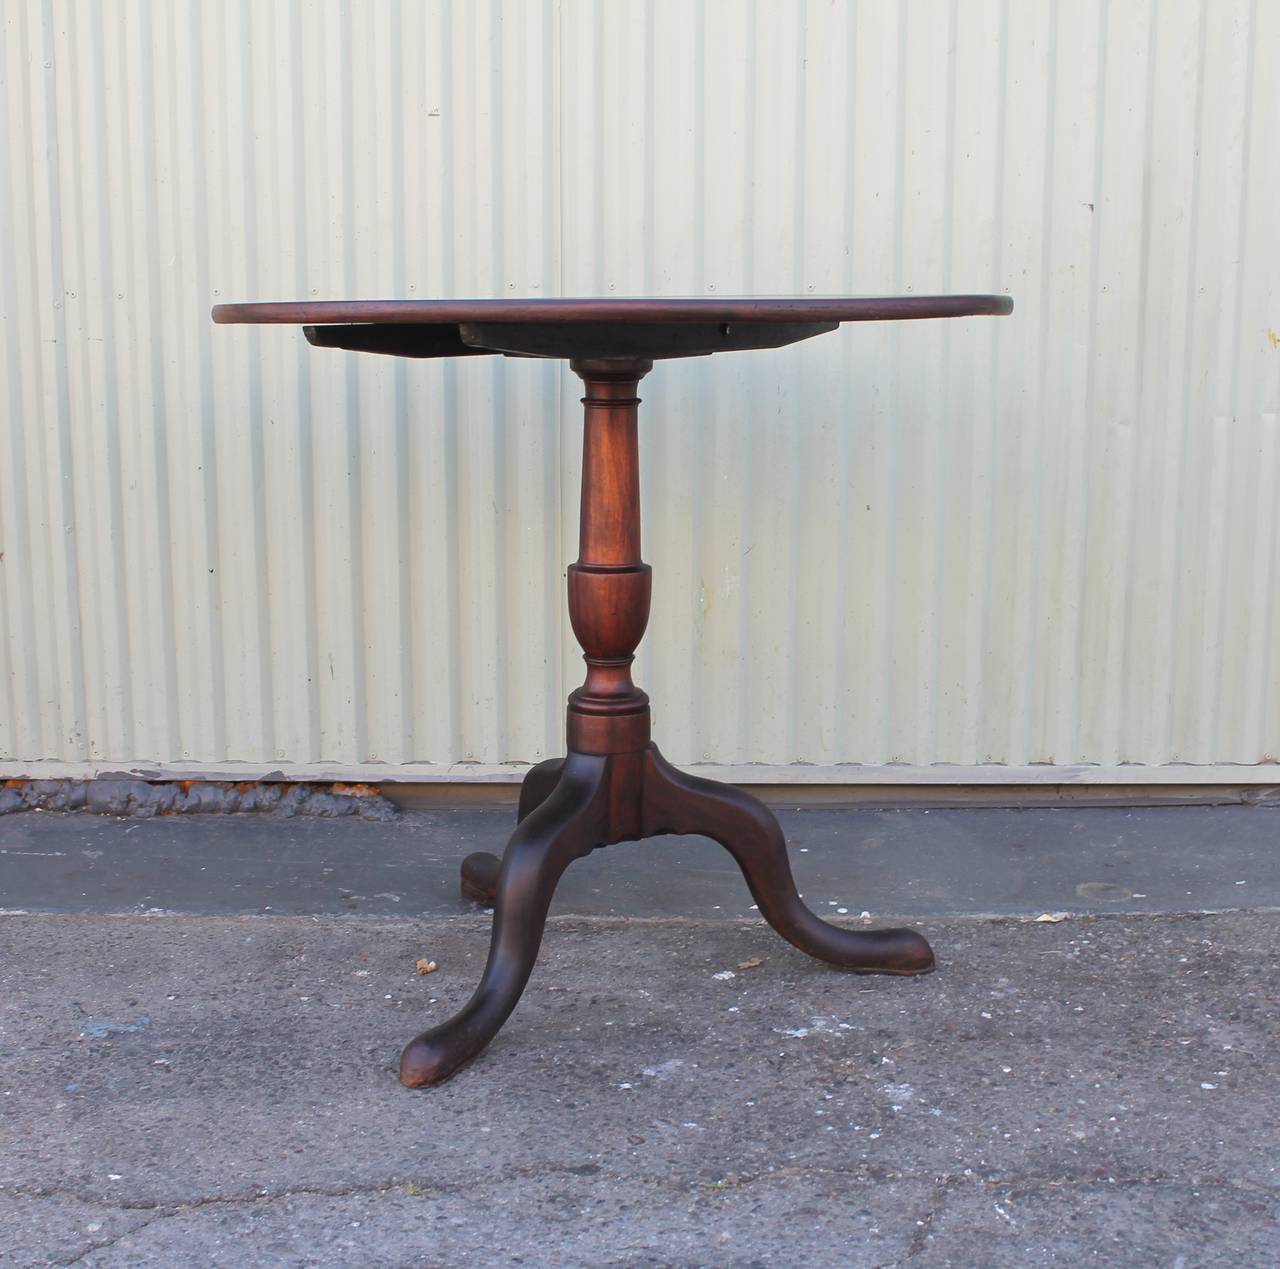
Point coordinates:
[(571, 806)]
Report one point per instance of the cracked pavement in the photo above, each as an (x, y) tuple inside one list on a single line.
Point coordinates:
[(220, 1090)]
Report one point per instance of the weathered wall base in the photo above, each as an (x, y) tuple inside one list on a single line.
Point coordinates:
[(145, 799)]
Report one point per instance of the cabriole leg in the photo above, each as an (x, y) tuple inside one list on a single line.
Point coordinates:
[(678, 803), (480, 870), (569, 824), (537, 785)]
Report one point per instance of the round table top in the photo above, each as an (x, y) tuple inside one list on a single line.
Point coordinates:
[(629, 310)]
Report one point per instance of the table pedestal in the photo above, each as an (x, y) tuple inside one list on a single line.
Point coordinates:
[(615, 786)]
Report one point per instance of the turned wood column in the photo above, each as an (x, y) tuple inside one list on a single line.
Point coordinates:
[(609, 585)]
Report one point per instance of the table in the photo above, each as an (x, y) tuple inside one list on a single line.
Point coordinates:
[(613, 785)]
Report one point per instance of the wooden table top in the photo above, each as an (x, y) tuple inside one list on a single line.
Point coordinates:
[(826, 308), (589, 329)]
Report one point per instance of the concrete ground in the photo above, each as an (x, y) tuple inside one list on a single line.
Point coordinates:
[(208, 1084)]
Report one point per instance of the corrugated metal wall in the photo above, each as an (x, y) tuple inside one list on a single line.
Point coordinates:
[(1049, 539)]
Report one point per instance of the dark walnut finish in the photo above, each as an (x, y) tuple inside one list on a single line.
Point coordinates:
[(614, 785)]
